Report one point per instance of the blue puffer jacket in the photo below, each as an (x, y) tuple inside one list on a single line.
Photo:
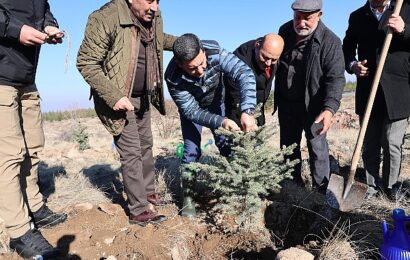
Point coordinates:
[(194, 95)]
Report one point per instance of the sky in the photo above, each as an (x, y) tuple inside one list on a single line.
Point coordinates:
[(230, 22)]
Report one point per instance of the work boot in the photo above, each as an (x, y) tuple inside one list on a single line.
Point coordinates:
[(33, 244), (188, 208), (45, 218)]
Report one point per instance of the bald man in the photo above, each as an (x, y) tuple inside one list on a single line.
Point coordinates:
[(261, 55)]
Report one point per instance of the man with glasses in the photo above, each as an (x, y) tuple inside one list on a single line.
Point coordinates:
[(308, 87), (365, 36), (194, 79), (261, 55)]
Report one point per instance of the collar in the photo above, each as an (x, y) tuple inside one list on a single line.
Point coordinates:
[(376, 12)]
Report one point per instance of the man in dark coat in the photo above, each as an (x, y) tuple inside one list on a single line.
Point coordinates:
[(25, 25), (308, 87), (261, 55), (365, 35)]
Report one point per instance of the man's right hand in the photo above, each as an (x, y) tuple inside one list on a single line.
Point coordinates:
[(230, 125), (30, 36), (123, 104), (359, 69)]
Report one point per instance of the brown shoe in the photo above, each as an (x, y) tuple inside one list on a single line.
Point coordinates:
[(147, 217), (156, 201)]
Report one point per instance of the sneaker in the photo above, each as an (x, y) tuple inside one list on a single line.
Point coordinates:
[(45, 218), (33, 244), (147, 217)]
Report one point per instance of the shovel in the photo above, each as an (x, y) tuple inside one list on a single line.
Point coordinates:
[(351, 196)]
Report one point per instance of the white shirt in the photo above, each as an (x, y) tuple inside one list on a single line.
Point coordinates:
[(378, 14)]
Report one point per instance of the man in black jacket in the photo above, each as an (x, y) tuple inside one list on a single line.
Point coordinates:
[(365, 35), (308, 86), (24, 26), (261, 55)]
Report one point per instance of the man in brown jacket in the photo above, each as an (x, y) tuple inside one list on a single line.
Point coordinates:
[(121, 59)]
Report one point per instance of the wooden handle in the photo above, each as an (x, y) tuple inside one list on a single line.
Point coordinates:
[(370, 101)]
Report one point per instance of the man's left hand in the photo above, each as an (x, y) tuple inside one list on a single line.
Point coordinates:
[(54, 35), (248, 123), (326, 118), (396, 23)]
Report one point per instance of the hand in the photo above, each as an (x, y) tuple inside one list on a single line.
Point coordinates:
[(54, 35), (326, 117), (123, 104), (230, 125), (30, 36), (396, 23), (359, 69), (248, 123)]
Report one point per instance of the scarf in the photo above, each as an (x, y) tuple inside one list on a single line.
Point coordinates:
[(152, 77)]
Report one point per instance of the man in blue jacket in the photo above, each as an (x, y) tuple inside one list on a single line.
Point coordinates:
[(24, 26), (194, 79)]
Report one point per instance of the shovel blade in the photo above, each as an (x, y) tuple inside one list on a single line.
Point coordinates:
[(353, 199)]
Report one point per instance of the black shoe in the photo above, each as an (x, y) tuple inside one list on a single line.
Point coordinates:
[(395, 193), (45, 218), (32, 244)]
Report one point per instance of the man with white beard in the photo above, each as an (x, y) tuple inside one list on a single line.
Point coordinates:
[(308, 87)]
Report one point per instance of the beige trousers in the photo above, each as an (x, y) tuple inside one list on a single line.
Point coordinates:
[(21, 139)]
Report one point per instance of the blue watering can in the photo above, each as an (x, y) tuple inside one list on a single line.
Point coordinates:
[(396, 244), (180, 148)]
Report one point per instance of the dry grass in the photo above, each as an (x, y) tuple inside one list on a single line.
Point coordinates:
[(4, 238), (74, 189), (340, 245), (166, 126)]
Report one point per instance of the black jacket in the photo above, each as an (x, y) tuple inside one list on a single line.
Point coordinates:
[(18, 63), (324, 77), (246, 52), (365, 35)]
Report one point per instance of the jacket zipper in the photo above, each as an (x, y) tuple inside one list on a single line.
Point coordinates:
[(133, 46)]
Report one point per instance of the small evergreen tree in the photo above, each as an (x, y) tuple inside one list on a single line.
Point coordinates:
[(81, 137), (253, 171)]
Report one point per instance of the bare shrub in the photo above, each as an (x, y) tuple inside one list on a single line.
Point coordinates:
[(161, 185), (74, 189), (339, 245), (166, 125)]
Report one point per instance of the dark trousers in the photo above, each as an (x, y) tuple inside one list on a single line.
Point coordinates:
[(134, 146), (191, 133), (387, 134), (293, 120)]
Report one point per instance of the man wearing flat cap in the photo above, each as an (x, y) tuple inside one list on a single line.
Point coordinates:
[(308, 87)]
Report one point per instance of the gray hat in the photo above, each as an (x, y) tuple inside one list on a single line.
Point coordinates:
[(307, 6)]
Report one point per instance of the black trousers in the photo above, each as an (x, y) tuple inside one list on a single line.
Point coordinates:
[(293, 120)]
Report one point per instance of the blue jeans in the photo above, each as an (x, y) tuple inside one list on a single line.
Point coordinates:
[(191, 133)]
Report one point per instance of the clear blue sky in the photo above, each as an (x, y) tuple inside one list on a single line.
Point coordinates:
[(231, 22)]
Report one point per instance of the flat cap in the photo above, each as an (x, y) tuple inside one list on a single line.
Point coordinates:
[(307, 6)]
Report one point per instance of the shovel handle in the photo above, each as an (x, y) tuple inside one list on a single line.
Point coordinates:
[(370, 101)]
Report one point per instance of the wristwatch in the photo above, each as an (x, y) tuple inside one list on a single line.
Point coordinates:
[(249, 111)]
